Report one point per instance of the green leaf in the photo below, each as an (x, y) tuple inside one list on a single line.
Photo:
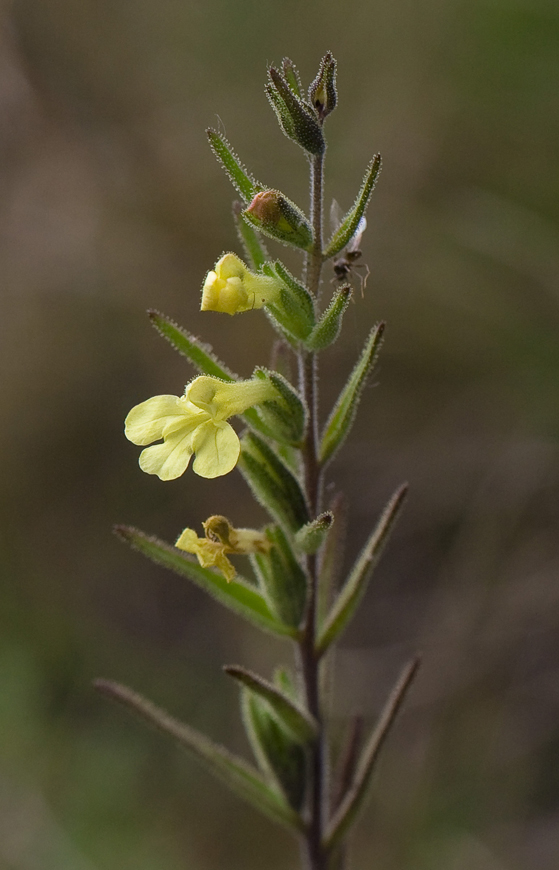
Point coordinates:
[(352, 592), (349, 224), (199, 354), (241, 179), (278, 755), (272, 483), (300, 723), (328, 327), (282, 579), (236, 773), (347, 811), (254, 249), (237, 595), (343, 413)]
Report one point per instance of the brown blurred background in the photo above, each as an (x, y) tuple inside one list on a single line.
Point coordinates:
[(111, 202)]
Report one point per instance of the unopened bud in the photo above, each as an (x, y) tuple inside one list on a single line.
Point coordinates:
[(322, 92), (276, 216)]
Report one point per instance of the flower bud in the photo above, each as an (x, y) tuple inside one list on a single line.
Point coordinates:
[(322, 92), (295, 117), (276, 216), (231, 287)]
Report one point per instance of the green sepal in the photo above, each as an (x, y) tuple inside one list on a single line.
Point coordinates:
[(328, 327), (301, 725), (237, 774), (255, 251), (347, 811), (238, 595), (273, 214), (286, 417), (281, 579), (343, 413), (241, 179), (322, 92), (283, 759), (296, 301), (354, 588), (310, 538), (292, 77), (349, 224), (295, 118), (272, 483), (197, 352)]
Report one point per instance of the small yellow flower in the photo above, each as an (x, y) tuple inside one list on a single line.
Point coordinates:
[(195, 423), (221, 538), (231, 287)]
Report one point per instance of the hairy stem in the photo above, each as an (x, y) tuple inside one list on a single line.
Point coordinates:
[(315, 855)]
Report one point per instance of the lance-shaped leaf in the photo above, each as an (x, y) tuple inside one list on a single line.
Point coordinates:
[(328, 327), (350, 222), (343, 413), (237, 595), (200, 355), (272, 483), (254, 249), (352, 802), (352, 592), (281, 579), (236, 773), (241, 179), (281, 758), (300, 723)]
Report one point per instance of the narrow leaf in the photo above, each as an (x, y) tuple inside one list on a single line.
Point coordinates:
[(300, 723), (343, 413), (272, 483), (237, 595), (241, 179), (349, 224), (200, 355), (353, 800), (236, 773), (328, 327), (352, 592)]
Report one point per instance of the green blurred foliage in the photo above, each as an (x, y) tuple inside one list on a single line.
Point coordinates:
[(112, 203)]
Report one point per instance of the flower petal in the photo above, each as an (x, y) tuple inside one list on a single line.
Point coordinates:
[(217, 449), (145, 422), (170, 459)]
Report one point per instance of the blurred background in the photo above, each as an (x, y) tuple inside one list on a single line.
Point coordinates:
[(111, 202)]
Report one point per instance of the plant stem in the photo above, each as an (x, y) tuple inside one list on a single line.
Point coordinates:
[(315, 855)]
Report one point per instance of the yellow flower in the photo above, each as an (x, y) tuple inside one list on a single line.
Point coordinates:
[(221, 538), (231, 287), (195, 423)]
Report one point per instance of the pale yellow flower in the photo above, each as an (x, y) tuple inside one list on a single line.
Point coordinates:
[(222, 538), (231, 287), (195, 423)]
